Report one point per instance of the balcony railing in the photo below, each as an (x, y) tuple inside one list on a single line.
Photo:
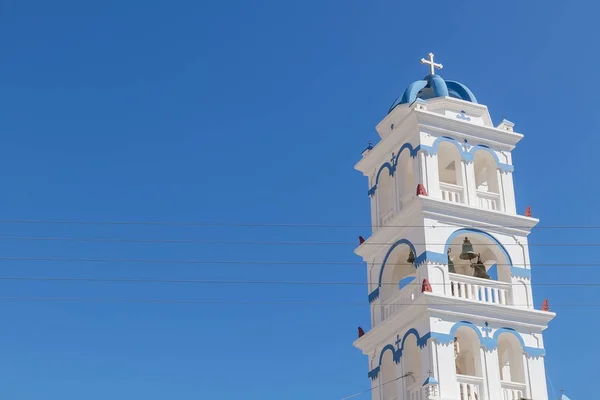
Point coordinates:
[(452, 193), (404, 296), (488, 200), (387, 218), (477, 289), (469, 387), (513, 390)]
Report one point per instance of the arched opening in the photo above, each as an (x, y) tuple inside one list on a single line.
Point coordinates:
[(405, 180), (389, 383), (486, 180), (411, 367), (467, 352), (490, 265), (398, 273), (510, 358), (385, 197), (450, 172)]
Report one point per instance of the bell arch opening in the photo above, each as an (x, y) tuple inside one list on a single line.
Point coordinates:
[(449, 164), (486, 172), (405, 180), (388, 375), (399, 271), (467, 352), (478, 254), (510, 358), (411, 366), (385, 197)]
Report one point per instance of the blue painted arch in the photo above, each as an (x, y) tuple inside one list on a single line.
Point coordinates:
[(477, 232), (467, 155), (394, 163), (386, 348), (397, 352), (389, 252)]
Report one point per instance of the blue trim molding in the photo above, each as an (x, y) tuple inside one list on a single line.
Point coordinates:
[(398, 349), (489, 343), (467, 155), (473, 231), (393, 164), (374, 295), (389, 252), (441, 258), (519, 272)]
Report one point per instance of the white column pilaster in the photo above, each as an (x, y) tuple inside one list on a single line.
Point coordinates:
[(433, 176), (468, 182), (445, 369), (491, 374), (537, 378), (506, 181)]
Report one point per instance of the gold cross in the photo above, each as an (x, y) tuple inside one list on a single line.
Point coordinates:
[(432, 65)]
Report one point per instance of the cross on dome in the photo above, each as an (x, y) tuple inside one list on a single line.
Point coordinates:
[(432, 65)]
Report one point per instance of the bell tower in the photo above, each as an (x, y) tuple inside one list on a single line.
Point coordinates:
[(449, 277)]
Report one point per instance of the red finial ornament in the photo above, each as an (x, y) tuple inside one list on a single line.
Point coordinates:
[(426, 287), (361, 332), (545, 305), (528, 211), (361, 240), (421, 190)]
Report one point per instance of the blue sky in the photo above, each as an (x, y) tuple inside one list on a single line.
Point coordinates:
[(255, 112)]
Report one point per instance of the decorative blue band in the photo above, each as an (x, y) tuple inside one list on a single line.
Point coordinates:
[(489, 343), (374, 295), (374, 372), (519, 272), (393, 164), (431, 256), (441, 258), (467, 155)]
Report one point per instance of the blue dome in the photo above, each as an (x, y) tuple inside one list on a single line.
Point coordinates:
[(434, 86)]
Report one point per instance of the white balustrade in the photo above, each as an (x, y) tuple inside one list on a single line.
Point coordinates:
[(469, 387), (386, 218), (477, 289), (488, 200), (513, 390), (403, 297), (451, 193)]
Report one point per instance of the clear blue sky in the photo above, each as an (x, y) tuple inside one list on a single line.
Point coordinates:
[(255, 112)]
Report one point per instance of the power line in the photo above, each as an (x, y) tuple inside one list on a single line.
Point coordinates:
[(261, 302), (272, 225), (241, 282), (377, 386), (259, 242), (247, 262)]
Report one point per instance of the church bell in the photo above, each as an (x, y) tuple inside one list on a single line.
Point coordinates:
[(411, 257), (451, 268), (479, 269), (467, 250)]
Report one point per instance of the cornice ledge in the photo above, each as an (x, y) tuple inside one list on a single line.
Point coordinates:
[(390, 326), (438, 303), (460, 128), (386, 235), (387, 145), (460, 213)]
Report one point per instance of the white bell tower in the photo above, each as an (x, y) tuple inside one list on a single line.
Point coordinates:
[(449, 276)]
